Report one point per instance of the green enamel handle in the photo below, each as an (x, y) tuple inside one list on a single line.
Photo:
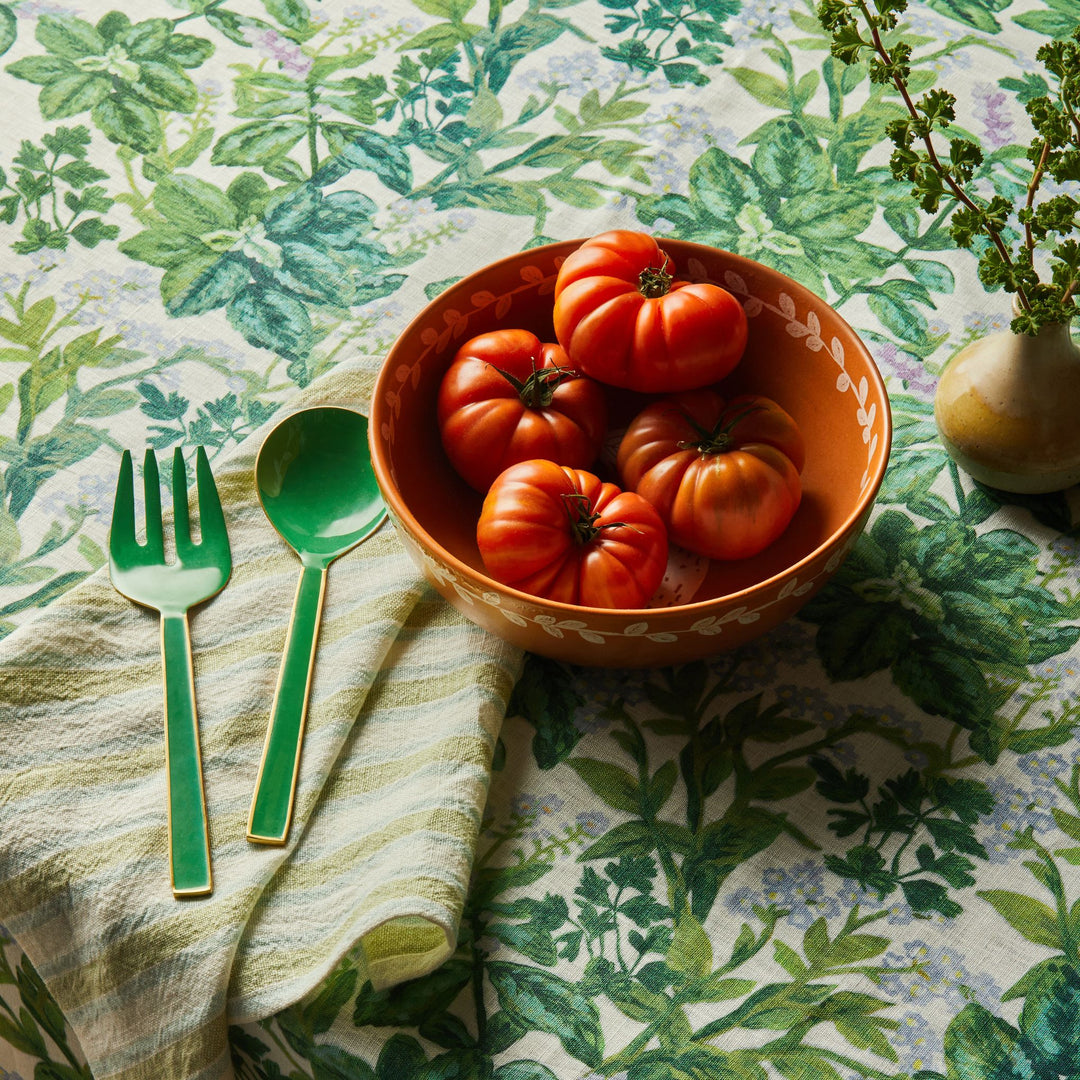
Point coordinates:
[(189, 837), (275, 788)]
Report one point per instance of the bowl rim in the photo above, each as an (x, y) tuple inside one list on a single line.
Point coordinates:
[(401, 513)]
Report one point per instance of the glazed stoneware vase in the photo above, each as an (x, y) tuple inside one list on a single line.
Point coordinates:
[(1007, 409)]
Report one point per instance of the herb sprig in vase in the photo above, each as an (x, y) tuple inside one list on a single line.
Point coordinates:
[(1006, 406)]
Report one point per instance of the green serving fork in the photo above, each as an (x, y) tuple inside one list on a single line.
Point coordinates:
[(141, 573)]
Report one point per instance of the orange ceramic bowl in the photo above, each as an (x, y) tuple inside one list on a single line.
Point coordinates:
[(800, 352)]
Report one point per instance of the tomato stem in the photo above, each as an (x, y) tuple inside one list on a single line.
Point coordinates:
[(583, 518), (538, 390), (653, 282), (720, 438)]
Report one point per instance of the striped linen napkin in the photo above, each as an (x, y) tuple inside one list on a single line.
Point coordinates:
[(406, 704)]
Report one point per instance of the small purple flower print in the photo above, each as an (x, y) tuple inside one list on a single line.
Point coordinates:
[(918, 381), (593, 823), (991, 107)]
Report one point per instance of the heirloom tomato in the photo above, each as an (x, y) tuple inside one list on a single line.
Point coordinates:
[(625, 319), (507, 397), (565, 535), (724, 476)]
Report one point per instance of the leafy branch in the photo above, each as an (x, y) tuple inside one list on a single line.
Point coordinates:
[(224, 420), (792, 1008), (944, 809), (38, 1022), (677, 37), (938, 175), (36, 189), (50, 373)]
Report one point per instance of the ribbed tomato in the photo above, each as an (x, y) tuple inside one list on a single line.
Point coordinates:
[(565, 535), (508, 397), (724, 476), (625, 319)]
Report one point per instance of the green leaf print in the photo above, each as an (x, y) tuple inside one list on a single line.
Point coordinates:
[(269, 318), (122, 72), (401, 1055), (544, 1002), (679, 38), (533, 938), (320, 1013), (546, 698), (1032, 919), (723, 846), (410, 1003), (50, 373), (447, 88), (614, 785), (1050, 1018), (373, 152), (9, 28), (978, 14), (905, 805), (258, 142), (292, 14), (39, 1025), (325, 112), (266, 257), (943, 608), (1055, 20), (532, 31), (941, 681), (691, 950), (330, 1062), (523, 1070), (981, 1046), (862, 641), (40, 176)]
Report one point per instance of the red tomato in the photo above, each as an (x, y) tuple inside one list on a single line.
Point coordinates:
[(507, 397), (565, 535), (723, 477), (624, 319)]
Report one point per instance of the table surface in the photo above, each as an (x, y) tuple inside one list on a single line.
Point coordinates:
[(848, 850)]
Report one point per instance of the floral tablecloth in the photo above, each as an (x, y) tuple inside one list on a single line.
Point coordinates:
[(848, 850)]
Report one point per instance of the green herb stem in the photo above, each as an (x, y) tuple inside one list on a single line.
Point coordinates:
[(1029, 204), (945, 174)]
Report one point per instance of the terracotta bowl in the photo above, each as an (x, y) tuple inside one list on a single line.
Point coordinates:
[(800, 353)]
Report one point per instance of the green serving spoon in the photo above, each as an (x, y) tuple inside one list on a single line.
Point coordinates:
[(316, 484)]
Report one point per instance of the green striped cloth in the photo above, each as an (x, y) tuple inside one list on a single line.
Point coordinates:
[(406, 704)]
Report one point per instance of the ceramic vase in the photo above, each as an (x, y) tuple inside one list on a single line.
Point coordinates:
[(1007, 409)]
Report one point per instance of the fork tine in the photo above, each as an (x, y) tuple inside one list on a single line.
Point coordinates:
[(211, 519), (155, 538), (122, 526), (181, 514)]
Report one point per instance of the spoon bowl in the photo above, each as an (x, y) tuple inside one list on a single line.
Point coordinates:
[(315, 481)]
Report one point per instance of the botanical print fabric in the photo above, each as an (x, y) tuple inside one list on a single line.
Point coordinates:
[(848, 850)]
